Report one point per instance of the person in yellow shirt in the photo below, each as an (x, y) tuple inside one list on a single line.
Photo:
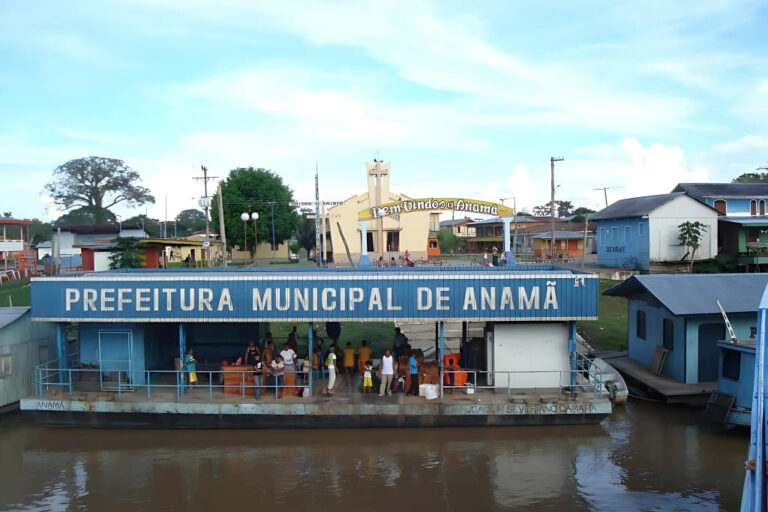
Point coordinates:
[(349, 363), (364, 354)]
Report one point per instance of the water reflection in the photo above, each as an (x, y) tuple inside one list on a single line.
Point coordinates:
[(643, 458)]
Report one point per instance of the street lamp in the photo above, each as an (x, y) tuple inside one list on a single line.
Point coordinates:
[(255, 217), (244, 217)]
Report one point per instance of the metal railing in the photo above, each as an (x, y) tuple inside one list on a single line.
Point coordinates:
[(585, 379), (70, 380)]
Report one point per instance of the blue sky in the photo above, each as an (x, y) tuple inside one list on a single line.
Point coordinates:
[(463, 98)]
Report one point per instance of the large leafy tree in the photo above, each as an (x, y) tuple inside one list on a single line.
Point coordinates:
[(752, 177), (305, 233), (97, 183), (190, 221), (248, 190), (86, 215), (152, 227), (564, 209)]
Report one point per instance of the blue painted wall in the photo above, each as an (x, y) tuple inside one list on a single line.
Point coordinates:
[(89, 345), (620, 239), (743, 387), (682, 363), (737, 205), (457, 294)]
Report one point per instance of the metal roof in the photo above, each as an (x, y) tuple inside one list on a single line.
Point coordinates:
[(10, 315), (635, 206), (715, 190), (760, 220), (519, 219), (696, 294), (560, 235)]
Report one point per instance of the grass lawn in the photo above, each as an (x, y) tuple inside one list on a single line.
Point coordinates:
[(609, 332), (15, 292), (378, 335)]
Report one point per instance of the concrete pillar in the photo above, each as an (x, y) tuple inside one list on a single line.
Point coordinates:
[(365, 260), (440, 354), (61, 347), (180, 380), (311, 356), (572, 353), (507, 249)]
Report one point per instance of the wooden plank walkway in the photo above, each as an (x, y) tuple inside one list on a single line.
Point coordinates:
[(672, 390)]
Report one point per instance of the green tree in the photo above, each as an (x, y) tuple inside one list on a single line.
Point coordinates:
[(248, 190), (191, 221), (305, 233), (564, 209), (98, 184), (580, 214), (40, 231), (690, 236), (152, 227), (86, 215), (125, 255), (752, 177), (449, 242)]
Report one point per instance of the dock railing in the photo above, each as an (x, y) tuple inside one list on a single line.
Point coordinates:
[(49, 376), (587, 379)]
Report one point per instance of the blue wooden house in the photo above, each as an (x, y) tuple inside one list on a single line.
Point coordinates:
[(679, 313), (638, 232), (743, 228)]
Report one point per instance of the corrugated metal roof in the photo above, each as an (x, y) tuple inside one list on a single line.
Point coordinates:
[(560, 235), (520, 219), (755, 221), (10, 315), (635, 206), (714, 190), (696, 294)]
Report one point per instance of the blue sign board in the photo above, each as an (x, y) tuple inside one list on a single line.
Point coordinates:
[(474, 295)]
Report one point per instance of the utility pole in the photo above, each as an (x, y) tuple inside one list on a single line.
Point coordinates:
[(552, 161), (605, 193), (205, 202), (318, 221), (222, 232)]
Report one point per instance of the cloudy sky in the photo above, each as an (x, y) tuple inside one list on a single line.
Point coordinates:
[(463, 98)]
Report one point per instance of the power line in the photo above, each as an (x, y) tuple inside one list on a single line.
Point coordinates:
[(605, 193), (206, 203)]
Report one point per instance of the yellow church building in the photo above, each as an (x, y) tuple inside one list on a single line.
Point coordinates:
[(388, 237)]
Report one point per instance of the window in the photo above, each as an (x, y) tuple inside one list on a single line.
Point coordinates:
[(640, 228), (762, 207), (393, 241), (433, 244), (668, 338), (603, 237), (753, 207), (721, 206), (640, 325), (614, 235), (6, 369), (731, 364), (627, 233)]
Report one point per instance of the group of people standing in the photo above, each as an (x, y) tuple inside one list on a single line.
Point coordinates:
[(266, 363)]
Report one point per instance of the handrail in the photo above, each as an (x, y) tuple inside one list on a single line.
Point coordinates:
[(48, 375)]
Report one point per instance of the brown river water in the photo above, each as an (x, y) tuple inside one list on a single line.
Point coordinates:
[(645, 457)]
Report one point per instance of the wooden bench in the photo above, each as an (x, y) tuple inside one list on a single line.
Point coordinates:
[(233, 379)]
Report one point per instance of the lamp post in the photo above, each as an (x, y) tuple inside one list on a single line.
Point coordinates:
[(244, 217), (255, 217)]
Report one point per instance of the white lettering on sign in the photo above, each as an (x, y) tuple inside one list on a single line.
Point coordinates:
[(287, 299), (526, 299), (424, 298)]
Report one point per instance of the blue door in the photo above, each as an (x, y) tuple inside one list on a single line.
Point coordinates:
[(116, 359), (709, 335)]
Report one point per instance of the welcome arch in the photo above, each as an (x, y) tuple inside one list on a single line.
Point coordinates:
[(456, 204)]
